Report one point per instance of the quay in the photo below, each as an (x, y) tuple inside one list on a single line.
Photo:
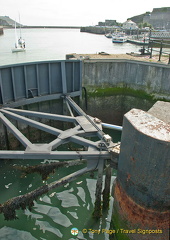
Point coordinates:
[(138, 42), (117, 86)]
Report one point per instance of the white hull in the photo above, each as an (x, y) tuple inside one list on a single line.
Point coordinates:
[(18, 50), (119, 38)]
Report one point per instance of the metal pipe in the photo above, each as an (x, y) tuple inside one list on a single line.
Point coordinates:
[(111, 126)]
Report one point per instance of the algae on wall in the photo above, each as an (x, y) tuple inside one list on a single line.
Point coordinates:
[(110, 104), (151, 78)]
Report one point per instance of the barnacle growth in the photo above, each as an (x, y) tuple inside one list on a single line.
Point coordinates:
[(46, 169), (27, 200)]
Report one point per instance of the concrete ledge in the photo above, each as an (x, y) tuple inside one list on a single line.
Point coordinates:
[(161, 110), (149, 125)]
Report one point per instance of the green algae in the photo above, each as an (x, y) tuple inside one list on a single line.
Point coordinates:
[(118, 223), (111, 91), (107, 91)]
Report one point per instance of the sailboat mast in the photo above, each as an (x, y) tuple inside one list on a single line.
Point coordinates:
[(20, 26), (16, 37)]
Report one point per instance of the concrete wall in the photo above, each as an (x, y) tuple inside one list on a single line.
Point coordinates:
[(153, 78)]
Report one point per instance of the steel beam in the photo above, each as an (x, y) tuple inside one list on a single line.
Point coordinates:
[(32, 123), (59, 155), (84, 126), (51, 130), (42, 115), (15, 131)]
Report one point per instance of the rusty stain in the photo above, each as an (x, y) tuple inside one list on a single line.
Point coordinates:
[(128, 177), (132, 159), (138, 215)]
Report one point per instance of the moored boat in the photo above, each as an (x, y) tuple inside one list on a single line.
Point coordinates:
[(119, 37), (108, 35), (19, 43)]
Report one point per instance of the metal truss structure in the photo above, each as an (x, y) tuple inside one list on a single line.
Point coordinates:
[(84, 127)]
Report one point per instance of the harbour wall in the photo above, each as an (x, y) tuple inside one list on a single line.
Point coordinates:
[(151, 78), (120, 85)]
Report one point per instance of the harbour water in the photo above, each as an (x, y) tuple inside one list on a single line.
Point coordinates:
[(52, 44), (55, 214)]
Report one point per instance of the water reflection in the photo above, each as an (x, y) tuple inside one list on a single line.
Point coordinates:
[(55, 214)]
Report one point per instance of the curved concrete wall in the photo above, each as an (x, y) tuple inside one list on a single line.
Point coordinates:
[(152, 78)]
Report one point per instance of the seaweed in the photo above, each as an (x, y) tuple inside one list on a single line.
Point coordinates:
[(27, 200), (46, 169)]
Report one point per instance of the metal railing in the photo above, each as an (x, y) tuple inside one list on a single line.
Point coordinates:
[(161, 44)]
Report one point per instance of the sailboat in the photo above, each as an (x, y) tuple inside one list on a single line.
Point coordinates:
[(19, 42)]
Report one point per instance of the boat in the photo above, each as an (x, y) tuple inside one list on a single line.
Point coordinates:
[(19, 42), (119, 37), (108, 35)]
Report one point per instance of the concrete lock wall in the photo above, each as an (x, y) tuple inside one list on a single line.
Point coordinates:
[(141, 194), (153, 78)]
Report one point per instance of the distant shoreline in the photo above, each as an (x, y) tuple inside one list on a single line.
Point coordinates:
[(70, 27)]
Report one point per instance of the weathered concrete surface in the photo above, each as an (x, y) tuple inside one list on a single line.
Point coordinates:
[(142, 192), (161, 110), (153, 78)]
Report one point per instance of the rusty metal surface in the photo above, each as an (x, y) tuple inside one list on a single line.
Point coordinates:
[(138, 216), (144, 161)]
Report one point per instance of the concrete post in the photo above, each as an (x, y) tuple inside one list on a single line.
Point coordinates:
[(142, 189)]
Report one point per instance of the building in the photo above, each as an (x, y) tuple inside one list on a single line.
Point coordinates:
[(108, 23), (129, 25), (159, 18)]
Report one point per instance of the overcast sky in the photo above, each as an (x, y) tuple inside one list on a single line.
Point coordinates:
[(75, 12)]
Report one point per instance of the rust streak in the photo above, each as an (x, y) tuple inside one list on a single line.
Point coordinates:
[(138, 215)]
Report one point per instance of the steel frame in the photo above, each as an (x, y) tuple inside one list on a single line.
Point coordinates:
[(85, 126)]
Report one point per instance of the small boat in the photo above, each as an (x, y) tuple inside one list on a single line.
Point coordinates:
[(108, 35), (119, 37), (19, 43)]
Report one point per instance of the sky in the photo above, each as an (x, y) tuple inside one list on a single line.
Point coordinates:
[(75, 12)]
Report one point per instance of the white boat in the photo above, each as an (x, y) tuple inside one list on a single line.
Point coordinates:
[(19, 43), (119, 37), (108, 35)]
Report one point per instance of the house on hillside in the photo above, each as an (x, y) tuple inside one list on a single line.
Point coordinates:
[(130, 25)]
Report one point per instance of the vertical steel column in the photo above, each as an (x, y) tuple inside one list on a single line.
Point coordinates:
[(1, 89), (13, 83), (49, 78), (38, 83), (63, 76), (160, 52), (26, 81)]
